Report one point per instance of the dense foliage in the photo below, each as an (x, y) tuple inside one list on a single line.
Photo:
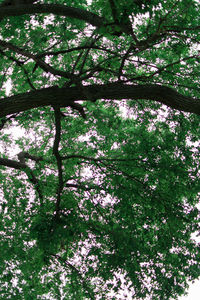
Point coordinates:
[(99, 164)]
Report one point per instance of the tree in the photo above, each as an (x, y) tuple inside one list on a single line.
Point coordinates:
[(104, 186)]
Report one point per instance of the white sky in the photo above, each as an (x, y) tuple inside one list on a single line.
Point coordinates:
[(194, 292)]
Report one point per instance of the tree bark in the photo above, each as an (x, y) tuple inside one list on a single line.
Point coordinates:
[(12, 164), (56, 9), (114, 91)]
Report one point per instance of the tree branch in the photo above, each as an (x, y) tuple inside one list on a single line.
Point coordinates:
[(43, 65), (66, 96), (61, 10), (22, 155), (58, 158), (12, 164), (56, 9), (57, 52)]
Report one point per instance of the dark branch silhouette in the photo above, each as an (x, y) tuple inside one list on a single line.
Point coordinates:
[(67, 96)]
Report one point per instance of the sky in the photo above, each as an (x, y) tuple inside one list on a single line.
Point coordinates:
[(194, 292)]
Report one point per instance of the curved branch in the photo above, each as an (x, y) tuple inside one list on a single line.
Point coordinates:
[(114, 91), (57, 52), (56, 9), (61, 10)]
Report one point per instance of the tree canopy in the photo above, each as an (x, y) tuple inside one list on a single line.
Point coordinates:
[(99, 197)]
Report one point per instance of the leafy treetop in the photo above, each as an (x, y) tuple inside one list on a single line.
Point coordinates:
[(104, 186)]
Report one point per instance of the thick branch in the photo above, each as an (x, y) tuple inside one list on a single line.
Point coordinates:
[(56, 9), (59, 10), (12, 164), (114, 91)]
